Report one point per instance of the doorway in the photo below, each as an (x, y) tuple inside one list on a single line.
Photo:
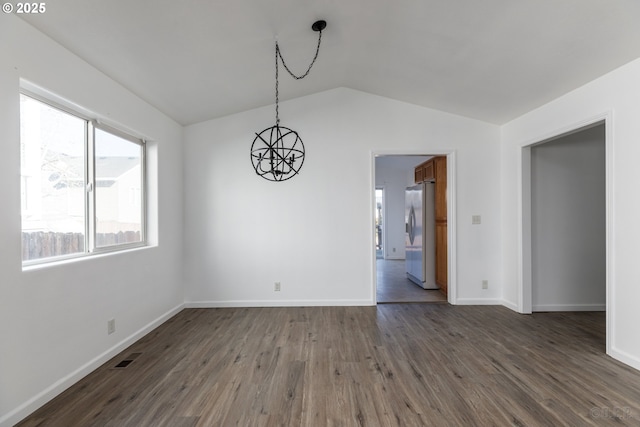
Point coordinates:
[(568, 222), (526, 283), (393, 173)]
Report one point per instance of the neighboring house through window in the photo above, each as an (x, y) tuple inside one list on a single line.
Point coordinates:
[(82, 184)]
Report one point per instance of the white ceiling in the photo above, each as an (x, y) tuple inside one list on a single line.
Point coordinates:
[(491, 60)]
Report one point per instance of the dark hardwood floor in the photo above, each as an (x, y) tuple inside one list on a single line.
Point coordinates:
[(390, 365), (393, 285)]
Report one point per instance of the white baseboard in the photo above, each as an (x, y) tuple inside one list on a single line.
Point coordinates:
[(569, 307), (64, 383), (278, 303), (479, 301), (625, 358), (510, 305)]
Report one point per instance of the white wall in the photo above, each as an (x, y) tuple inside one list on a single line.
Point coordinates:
[(314, 233), (53, 320), (615, 97), (392, 174), (568, 222)]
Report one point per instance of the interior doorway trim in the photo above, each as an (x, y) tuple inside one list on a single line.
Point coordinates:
[(525, 288), (452, 279)]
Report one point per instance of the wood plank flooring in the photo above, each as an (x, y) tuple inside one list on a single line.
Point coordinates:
[(393, 285), (390, 365)]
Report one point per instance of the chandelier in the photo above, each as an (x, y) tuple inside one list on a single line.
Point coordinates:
[(277, 153)]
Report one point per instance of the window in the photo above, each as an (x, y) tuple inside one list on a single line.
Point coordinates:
[(82, 184)]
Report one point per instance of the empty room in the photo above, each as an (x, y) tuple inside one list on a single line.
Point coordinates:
[(199, 199)]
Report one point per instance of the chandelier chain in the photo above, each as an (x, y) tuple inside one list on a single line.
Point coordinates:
[(306, 73), (313, 61)]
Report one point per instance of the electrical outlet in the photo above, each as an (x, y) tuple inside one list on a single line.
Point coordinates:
[(394, 250), (485, 284), (276, 287), (476, 219), (111, 326)]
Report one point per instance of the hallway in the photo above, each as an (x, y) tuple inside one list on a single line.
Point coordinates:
[(393, 285)]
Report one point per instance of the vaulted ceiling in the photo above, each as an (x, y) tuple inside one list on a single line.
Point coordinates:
[(492, 60)]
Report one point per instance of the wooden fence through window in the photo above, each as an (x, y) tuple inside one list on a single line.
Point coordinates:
[(42, 244)]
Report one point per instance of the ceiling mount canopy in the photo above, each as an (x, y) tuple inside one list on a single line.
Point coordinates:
[(319, 25), (277, 153)]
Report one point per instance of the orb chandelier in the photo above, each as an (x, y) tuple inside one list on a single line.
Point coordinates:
[(277, 153)]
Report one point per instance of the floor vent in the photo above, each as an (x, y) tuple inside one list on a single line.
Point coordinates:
[(124, 363)]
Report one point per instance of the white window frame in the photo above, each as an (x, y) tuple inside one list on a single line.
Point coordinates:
[(91, 125)]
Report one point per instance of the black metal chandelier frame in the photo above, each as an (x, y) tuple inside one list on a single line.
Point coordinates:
[(277, 153)]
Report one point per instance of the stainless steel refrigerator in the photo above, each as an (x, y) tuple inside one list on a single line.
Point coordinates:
[(420, 235)]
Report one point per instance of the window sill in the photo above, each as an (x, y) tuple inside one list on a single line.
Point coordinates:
[(72, 259)]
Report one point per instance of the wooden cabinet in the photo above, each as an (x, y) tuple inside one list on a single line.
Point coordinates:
[(441, 222), (425, 172), (429, 171), (441, 256), (435, 170), (441, 188), (418, 175)]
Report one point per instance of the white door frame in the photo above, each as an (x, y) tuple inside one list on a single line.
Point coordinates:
[(525, 289), (452, 279)]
